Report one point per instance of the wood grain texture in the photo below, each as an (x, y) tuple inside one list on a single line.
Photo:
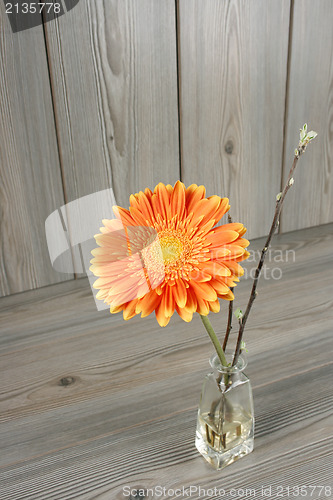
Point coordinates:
[(114, 79), (310, 100), (90, 403), (30, 182), (233, 64)]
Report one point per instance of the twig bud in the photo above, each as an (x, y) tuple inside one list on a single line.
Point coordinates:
[(303, 130), (305, 138), (238, 313), (291, 182), (243, 346)]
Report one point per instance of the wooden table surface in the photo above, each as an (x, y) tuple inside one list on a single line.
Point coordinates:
[(92, 405)]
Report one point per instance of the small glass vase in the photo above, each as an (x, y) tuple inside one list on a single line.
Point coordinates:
[(225, 424)]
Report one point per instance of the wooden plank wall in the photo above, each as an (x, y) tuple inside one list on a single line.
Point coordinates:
[(30, 177), (114, 79), (310, 99), (233, 75), (125, 93)]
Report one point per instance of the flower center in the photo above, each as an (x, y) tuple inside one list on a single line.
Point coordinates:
[(171, 247), (167, 256)]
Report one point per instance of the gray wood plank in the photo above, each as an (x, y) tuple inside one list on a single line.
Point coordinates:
[(90, 403), (310, 100), (163, 453), (30, 185), (233, 60), (114, 78)]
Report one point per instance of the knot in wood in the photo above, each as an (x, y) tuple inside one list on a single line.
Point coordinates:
[(229, 147), (66, 381)]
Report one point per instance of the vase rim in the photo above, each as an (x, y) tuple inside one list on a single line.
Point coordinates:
[(241, 364)]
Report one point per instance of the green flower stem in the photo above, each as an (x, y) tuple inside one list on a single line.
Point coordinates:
[(214, 339)]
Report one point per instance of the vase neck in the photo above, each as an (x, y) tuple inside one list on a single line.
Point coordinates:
[(218, 368)]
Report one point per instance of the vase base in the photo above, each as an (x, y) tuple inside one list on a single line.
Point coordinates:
[(220, 460)]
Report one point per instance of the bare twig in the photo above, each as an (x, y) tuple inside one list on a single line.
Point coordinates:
[(229, 324), (279, 201), (231, 303)]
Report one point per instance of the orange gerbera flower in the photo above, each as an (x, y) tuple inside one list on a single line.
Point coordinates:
[(164, 254)]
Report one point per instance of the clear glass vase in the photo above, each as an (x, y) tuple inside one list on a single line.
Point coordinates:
[(225, 425)]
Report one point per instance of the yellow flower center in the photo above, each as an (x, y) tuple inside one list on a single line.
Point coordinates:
[(167, 256), (171, 247)]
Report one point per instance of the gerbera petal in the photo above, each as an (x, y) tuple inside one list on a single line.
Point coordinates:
[(185, 314), (234, 267), (221, 236), (116, 309), (143, 205), (194, 221), (231, 282), (148, 193), (126, 296), (147, 304), (138, 217), (202, 306), (223, 208), (111, 225), (189, 192), (245, 255), (100, 252), (130, 283), (129, 310), (204, 226), (220, 287), (228, 296), (242, 242), (100, 282), (160, 314), (218, 252), (214, 306), (203, 209), (199, 275), (156, 206), (204, 290), (235, 251), (193, 195), (180, 293), (212, 206), (164, 200), (191, 303), (101, 294), (124, 215), (169, 302), (233, 226), (177, 200), (214, 268)]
